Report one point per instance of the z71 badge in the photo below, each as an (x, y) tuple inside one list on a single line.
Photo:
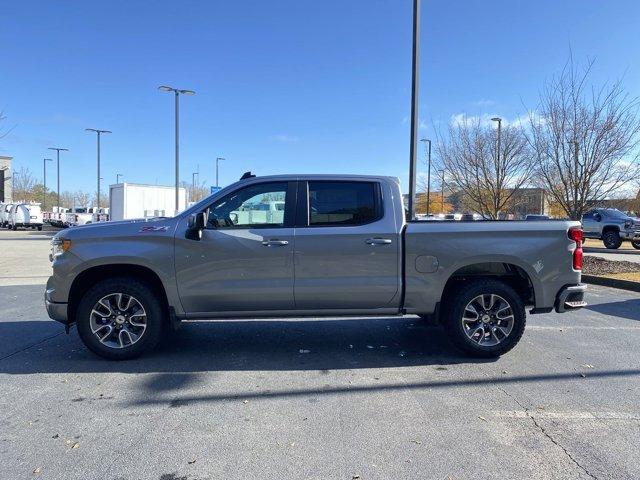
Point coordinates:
[(150, 228)]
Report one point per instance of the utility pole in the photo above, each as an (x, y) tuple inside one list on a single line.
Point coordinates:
[(414, 107), (98, 132), (44, 181), (426, 140), (177, 93), (217, 161), (442, 188), (58, 150)]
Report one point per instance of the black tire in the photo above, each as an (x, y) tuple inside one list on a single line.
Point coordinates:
[(611, 239), (40, 228), (14, 227), (454, 307), (144, 294), (636, 245)]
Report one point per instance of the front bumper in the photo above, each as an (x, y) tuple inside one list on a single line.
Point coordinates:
[(633, 235), (571, 297), (56, 311)]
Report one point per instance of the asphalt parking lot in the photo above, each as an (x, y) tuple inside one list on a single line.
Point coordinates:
[(384, 398)]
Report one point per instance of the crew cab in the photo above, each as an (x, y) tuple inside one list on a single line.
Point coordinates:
[(310, 245)]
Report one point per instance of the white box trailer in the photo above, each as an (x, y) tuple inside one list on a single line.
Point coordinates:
[(134, 200)]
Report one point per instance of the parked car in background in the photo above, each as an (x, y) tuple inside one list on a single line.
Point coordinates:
[(77, 216), (25, 215), (99, 215), (4, 213), (612, 227), (233, 255), (536, 218), (55, 217), (8, 208)]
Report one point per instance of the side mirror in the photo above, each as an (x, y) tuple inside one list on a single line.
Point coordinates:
[(195, 224), (597, 217), (196, 221)]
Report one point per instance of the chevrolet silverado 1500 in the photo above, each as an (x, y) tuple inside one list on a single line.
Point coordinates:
[(310, 245)]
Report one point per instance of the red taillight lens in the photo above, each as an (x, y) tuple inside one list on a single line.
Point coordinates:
[(575, 234)]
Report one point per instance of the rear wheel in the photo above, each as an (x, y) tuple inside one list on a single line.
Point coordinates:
[(484, 318), (40, 228), (636, 244), (120, 318), (611, 239)]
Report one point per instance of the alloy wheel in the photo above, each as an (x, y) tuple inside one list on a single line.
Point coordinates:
[(118, 320), (488, 319)]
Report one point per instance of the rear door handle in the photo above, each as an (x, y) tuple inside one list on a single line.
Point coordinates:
[(378, 241), (275, 243)]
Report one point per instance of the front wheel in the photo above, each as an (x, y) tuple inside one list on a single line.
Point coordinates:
[(120, 318), (484, 318), (611, 239), (636, 244)]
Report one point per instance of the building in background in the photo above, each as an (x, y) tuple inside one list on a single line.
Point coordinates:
[(6, 179)]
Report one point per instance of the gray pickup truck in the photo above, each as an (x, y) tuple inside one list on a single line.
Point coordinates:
[(612, 227), (327, 245)]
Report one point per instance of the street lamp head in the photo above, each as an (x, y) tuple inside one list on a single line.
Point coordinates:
[(187, 92), (164, 88), (48, 159), (220, 158), (59, 149), (496, 119)]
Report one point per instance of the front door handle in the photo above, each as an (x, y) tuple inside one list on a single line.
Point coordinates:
[(275, 243), (378, 241)]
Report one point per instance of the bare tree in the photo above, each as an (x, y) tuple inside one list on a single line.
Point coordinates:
[(585, 140), (488, 179), (104, 200), (67, 199), (23, 185), (81, 199)]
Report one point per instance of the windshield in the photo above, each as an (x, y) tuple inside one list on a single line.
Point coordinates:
[(615, 213)]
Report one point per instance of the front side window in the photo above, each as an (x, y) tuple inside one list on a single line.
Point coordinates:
[(255, 206), (342, 203)]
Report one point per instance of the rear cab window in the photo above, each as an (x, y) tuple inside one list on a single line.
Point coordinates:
[(343, 203)]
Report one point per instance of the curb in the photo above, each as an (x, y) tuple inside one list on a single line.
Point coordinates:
[(612, 282)]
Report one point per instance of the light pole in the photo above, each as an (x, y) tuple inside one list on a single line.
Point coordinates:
[(44, 181), (413, 156), (58, 150), (177, 93), (218, 161), (98, 132), (426, 140), (442, 188), (118, 175), (499, 120)]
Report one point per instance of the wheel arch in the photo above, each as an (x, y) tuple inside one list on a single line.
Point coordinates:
[(89, 277), (510, 273)]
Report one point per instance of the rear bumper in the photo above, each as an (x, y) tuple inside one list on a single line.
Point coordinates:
[(56, 311), (571, 297)]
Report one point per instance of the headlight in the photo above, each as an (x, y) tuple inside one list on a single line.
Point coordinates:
[(59, 246), (628, 224)]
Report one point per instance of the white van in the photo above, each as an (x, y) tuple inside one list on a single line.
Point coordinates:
[(25, 215), (4, 214)]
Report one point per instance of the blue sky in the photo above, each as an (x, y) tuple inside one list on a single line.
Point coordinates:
[(283, 86)]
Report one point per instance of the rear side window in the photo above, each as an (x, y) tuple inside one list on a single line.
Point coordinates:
[(343, 203)]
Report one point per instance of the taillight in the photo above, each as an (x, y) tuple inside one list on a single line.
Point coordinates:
[(575, 234)]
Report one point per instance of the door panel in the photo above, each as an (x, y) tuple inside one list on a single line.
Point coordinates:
[(243, 260), (232, 270), (344, 266)]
